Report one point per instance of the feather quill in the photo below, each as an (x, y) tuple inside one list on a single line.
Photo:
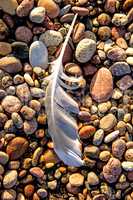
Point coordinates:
[(59, 106)]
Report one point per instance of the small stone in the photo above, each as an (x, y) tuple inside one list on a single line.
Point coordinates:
[(76, 179), (119, 19), (117, 94), (1, 170), (111, 136), (52, 184), (37, 92), (37, 15), (104, 33), (101, 87), (71, 189), (38, 55), (3, 158), (14, 165), (3, 119), (91, 151), (23, 92), (112, 170), (50, 157), (99, 197), (8, 195), (127, 166), (82, 11), (90, 35), (108, 122), (10, 64), (20, 50), (51, 7), (24, 8), (129, 155), (120, 69), (29, 190), (129, 51), (4, 31), (10, 179), (5, 48), (125, 82), (130, 60), (73, 69), (9, 6), (17, 147), (28, 79), (116, 54), (36, 156), (131, 41), (30, 126), (27, 112), (65, 10), (104, 19), (85, 50), (78, 32), (118, 148), (121, 42), (35, 105), (23, 34), (11, 104), (98, 137), (86, 131), (104, 156), (110, 6), (51, 38), (37, 172), (92, 179), (20, 196), (42, 193), (67, 18), (18, 79), (104, 107)]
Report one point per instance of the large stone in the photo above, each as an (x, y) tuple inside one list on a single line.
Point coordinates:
[(11, 104), (108, 122), (9, 6), (10, 179), (101, 87)]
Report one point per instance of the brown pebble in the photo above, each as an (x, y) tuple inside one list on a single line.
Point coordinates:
[(104, 19), (28, 190), (86, 131), (118, 148), (110, 6), (82, 11), (104, 33), (5, 48), (11, 104), (23, 34), (3, 30), (37, 172), (78, 32), (24, 8)]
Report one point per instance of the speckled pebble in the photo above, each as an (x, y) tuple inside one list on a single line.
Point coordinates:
[(3, 158), (120, 69), (127, 166), (37, 15), (108, 122), (92, 179), (119, 19), (8, 194), (11, 104), (118, 148), (24, 8), (10, 179), (76, 179), (98, 137)]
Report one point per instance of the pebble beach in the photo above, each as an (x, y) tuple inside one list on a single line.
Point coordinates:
[(100, 50)]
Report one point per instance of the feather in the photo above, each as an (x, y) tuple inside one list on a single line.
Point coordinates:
[(59, 106)]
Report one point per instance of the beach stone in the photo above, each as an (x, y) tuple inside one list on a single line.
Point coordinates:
[(116, 54), (35, 105), (120, 19), (4, 158), (16, 147), (92, 179), (112, 170), (11, 104), (42, 193), (37, 15), (104, 107), (8, 194), (67, 18), (20, 196), (27, 112), (65, 10), (52, 184), (23, 92), (37, 172), (90, 35), (50, 157), (104, 19), (130, 15), (104, 156), (17, 120), (20, 50), (111, 136), (104, 33), (130, 60), (10, 64), (91, 151), (30, 126), (51, 38), (101, 86), (52, 9), (3, 119), (121, 42), (29, 190), (110, 6), (125, 82), (127, 166), (129, 51), (127, 4), (37, 92), (120, 69), (76, 179), (85, 50), (98, 137), (82, 11), (108, 122), (78, 32), (5, 48), (24, 8), (10, 179), (118, 148), (86, 131), (4, 31), (38, 55), (9, 6), (129, 155), (23, 34)]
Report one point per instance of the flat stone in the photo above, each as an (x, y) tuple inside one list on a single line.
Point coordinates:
[(10, 179), (108, 122), (125, 82), (116, 54), (111, 136), (120, 69), (101, 87), (11, 104)]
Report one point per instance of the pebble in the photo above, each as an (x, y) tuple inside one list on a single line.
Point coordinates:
[(78, 32), (91, 151), (9, 6), (103, 91), (16, 147), (1, 169), (118, 148), (11, 104), (92, 179), (37, 172), (73, 69), (108, 122), (3, 119), (121, 42), (5, 48), (86, 131), (116, 54), (10, 64), (35, 105), (111, 136), (23, 34), (110, 6), (52, 184), (65, 10), (23, 92), (125, 82), (50, 157), (51, 7), (104, 156), (104, 107), (104, 33), (4, 31), (82, 11), (129, 155), (130, 60), (129, 51), (36, 156), (51, 38), (37, 92), (37, 15), (67, 18), (120, 69), (76, 179), (10, 179), (29, 190), (38, 55), (42, 193), (4, 158), (28, 79), (119, 19), (98, 137), (112, 170), (24, 8), (27, 112), (8, 194), (85, 50), (104, 19), (20, 196), (30, 126), (127, 166), (20, 50), (90, 35)]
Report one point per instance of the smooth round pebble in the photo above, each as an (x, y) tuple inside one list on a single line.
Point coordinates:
[(108, 122), (120, 69), (5, 48), (11, 104), (20, 50), (23, 34), (3, 158), (130, 60), (10, 179), (37, 15), (92, 179), (9, 6), (118, 148), (127, 166), (8, 194), (111, 136), (76, 179)]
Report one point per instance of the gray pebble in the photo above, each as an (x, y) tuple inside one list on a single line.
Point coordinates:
[(65, 10), (3, 158), (120, 69), (98, 137), (37, 92), (111, 136), (37, 15)]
